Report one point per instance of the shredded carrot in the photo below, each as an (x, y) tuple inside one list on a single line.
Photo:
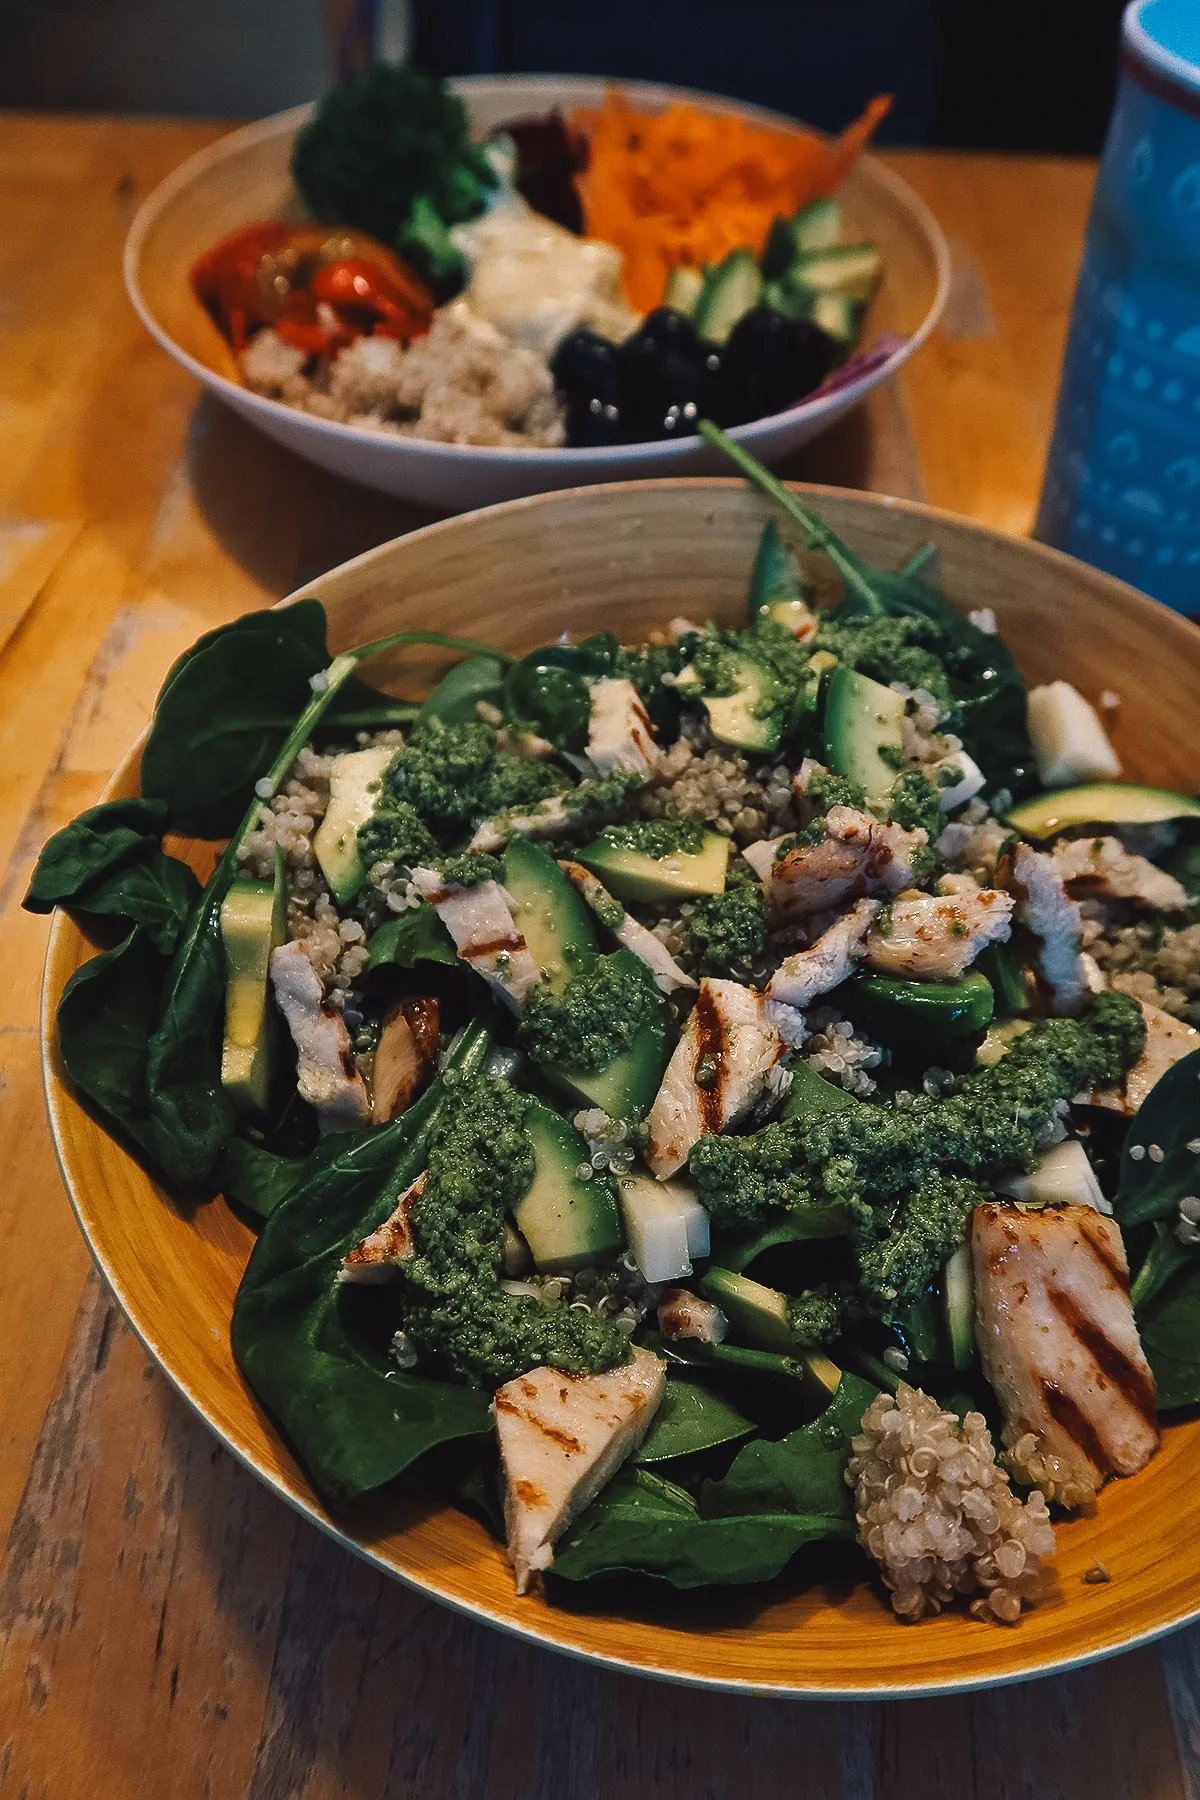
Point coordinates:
[(687, 186)]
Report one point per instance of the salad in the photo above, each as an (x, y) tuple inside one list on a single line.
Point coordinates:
[(701, 1098), (600, 279)]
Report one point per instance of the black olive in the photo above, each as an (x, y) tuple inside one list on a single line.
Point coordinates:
[(584, 368), (768, 363), (660, 372)]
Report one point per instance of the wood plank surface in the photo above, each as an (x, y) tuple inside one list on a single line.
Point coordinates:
[(166, 1626)]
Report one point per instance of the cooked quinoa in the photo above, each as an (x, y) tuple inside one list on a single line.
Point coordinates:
[(462, 383), (1153, 961), (936, 1511)]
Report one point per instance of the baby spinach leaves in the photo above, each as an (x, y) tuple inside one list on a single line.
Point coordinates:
[(1166, 1289), (691, 1418), (108, 863), (355, 1420), (455, 700), (413, 936), (105, 1018), (803, 1472)]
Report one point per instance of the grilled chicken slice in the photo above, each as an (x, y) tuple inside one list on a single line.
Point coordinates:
[(484, 932), (620, 735), (934, 937), (405, 1057), (1046, 909), (562, 1437), (682, 1314), (325, 1074), (378, 1257), (645, 946), (827, 962), (857, 855), (543, 820), (719, 1070), (1102, 866), (1168, 1041), (1057, 1337)]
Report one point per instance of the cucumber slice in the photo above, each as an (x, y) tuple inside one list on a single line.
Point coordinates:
[(958, 1306), (567, 1222), (814, 227), (354, 783), (729, 291), (636, 875), (683, 289), (1099, 803), (839, 316), (864, 735), (253, 923), (548, 912), (851, 270)]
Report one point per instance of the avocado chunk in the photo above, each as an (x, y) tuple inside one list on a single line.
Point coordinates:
[(548, 912), (1099, 803), (757, 1313), (864, 736), (253, 924), (749, 717), (625, 1089), (354, 783), (636, 874), (566, 1221)]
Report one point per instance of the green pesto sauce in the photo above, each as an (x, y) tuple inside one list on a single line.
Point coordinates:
[(907, 1177), (453, 776), (596, 1017), (915, 804), (815, 1317), (594, 803), (470, 869), (826, 790), (659, 837), (907, 649), (396, 833), (727, 933), (480, 1164)]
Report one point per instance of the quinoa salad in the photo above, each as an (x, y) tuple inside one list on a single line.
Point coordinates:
[(699, 1098), (601, 278)]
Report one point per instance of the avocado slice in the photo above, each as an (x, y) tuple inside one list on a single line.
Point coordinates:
[(925, 1014), (354, 783), (253, 923), (751, 717), (567, 1222), (864, 736), (757, 1313), (1099, 803), (626, 1088), (637, 875), (548, 912)]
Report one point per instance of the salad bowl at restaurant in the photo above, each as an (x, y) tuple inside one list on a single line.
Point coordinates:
[(623, 558), (246, 178)]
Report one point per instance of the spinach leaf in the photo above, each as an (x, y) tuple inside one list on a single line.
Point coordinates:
[(304, 620), (548, 689), (1163, 1260), (691, 1418), (1169, 1118), (105, 1018), (454, 700), (1170, 1328), (94, 845), (257, 1178), (801, 1473), (633, 1530), (157, 892), (775, 575), (414, 936), (354, 1419)]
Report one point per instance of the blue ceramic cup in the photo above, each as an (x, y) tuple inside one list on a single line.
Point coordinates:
[(1122, 486)]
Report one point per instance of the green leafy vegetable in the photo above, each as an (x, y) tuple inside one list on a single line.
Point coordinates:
[(803, 1472), (1152, 1187), (691, 1418), (257, 1178), (108, 863), (414, 936), (355, 1420), (105, 1018), (1170, 1328), (455, 700)]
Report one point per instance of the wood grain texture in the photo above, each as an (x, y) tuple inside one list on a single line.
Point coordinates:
[(188, 518), (623, 558)]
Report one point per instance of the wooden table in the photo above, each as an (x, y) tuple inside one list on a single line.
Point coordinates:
[(167, 1628)]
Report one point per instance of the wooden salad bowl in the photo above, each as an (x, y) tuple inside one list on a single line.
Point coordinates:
[(246, 177), (625, 558)]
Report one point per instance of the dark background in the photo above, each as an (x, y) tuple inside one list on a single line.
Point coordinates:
[(1015, 75)]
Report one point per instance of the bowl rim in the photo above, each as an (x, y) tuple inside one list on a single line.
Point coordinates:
[(812, 408), (300, 1497)]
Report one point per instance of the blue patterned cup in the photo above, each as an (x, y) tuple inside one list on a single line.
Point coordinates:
[(1122, 486)]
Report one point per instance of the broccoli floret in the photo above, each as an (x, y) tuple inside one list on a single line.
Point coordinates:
[(915, 804), (727, 933), (596, 1017), (453, 776), (390, 153), (480, 1164)]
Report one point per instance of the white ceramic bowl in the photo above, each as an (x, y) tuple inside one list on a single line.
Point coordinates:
[(246, 177)]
